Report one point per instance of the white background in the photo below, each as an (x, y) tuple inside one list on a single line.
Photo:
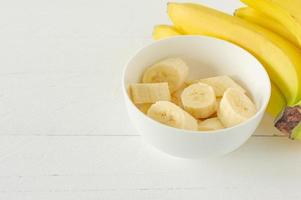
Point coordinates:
[(64, 131)]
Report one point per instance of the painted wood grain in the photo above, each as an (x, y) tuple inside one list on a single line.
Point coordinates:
[(113, 166)]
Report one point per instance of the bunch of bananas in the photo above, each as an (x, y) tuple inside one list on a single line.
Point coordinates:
[(268, 29)]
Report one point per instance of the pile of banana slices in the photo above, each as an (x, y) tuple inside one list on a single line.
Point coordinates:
[(166, 96)]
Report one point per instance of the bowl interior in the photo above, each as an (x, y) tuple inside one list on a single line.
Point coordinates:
[(206, 57)]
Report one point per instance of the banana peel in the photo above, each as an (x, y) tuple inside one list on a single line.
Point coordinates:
[(277, 101), (281, 58), (254, 16), (282, 12), (164, 31)]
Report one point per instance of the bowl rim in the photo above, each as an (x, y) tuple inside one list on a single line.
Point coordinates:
[(260, 67)]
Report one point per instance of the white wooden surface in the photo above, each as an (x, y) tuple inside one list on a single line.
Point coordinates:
[(64, 132)]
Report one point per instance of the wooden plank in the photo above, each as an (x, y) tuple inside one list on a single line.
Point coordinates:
[(111, 167)]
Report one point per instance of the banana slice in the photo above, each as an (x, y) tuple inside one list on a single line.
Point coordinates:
[(199, 100), (219, 83), (149, 92), (176, 96), (235, 108), (210, 124), (144, 107), (170, 114), (171, 70)]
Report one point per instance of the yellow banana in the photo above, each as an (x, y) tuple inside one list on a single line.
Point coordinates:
[(292, 6), (281, 12), (265, 21), (164, 31), (277, 102), (282, 60)]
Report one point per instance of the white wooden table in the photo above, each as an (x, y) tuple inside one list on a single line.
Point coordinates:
[(64, 132)]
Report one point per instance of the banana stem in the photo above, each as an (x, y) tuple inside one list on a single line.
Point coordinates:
[(289, 122)]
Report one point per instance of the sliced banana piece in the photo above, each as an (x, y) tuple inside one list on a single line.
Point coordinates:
[(219, 83), (210, 124), (171, 70), (199, 100), (144, 107), (235, 108), (149, 92), (170, 114)]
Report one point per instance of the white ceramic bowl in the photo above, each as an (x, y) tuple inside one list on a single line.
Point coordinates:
[(206, 57)]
